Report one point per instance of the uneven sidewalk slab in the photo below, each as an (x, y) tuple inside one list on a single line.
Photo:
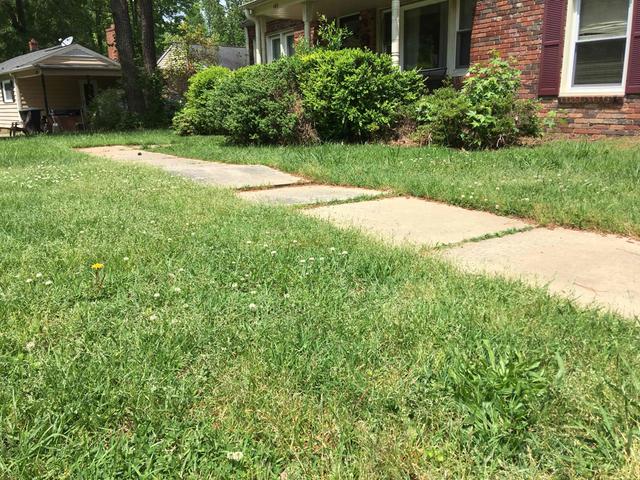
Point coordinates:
[(591, 268), (307, 194), (211, 173), (415, 221)]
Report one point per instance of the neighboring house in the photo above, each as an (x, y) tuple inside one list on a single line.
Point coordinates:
[(55, 83), (229, 57), (580, 57)]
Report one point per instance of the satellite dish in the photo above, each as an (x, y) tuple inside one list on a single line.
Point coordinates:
[(66, 41)]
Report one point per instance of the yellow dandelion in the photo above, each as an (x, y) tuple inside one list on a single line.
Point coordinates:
[(97, 266)]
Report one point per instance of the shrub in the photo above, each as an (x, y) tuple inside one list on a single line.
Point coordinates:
[(354, 94), (205, 80), (108, 111), (486, 113), (443, 117), (260, 104), (196, 118)]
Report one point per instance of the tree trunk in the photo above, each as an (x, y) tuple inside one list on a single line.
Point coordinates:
[(124, 43), (145, 14)]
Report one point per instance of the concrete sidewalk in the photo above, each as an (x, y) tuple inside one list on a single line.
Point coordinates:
[(592, 269)]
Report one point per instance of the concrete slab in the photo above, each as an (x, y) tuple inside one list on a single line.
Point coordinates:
[(591, 268), (307, 194), (211, 173), (410, 220)]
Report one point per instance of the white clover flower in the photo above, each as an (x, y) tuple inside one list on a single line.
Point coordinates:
[(156, 295), (48, 282), (153, 317), (332, 249), (273, 252), (177, 289), (29, 280), (253, 307), (126, 259), (235, 456), (234, 285), (30, 345), (38, 275)]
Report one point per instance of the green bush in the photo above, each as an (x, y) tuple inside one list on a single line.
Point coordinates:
[(204, 81), (486, 113), (108, 111), (260, 104), (443, 117), (354, 94), (197, 118)]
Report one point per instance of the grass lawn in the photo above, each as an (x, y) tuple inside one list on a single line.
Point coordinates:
[(231, 340)]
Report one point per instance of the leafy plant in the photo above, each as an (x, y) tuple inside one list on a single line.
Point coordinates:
[(502, 394), (260, 104), (196, 118), (330, 35), (486, 113), (108, 112), (354, 94)]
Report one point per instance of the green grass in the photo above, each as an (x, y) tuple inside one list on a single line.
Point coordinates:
[(376, 363)]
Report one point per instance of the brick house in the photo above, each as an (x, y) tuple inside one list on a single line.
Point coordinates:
[(580, 57)]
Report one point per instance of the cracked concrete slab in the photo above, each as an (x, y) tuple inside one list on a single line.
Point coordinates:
[(415, 221), (586, 266), (307, 194), (211, 173)]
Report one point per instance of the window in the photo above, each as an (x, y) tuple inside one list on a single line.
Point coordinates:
[(276, 48), (290, 45), (280, 44), (425, 36), (351, 23), (8, 95), (386, 33), (463, 34), (599, 43), (434, 34)]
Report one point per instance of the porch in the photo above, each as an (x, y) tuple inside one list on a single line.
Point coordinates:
[(58, 100), (433, 36)]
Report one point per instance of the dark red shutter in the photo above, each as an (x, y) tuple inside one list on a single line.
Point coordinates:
[(553, 22), (633, 75)]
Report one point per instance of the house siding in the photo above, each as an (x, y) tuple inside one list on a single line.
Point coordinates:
[(8, 111), (514, 29), (62, 92)]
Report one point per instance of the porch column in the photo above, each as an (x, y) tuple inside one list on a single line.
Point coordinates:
[(395, 32), (307, 14), (258, 44)]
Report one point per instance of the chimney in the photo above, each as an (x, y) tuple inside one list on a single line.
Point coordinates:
[(112, 50), (33, 45)]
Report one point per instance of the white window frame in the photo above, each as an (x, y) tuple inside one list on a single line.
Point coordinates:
[(282, 36), (452, 30), (567, 88), (4, 90), (462, 70)]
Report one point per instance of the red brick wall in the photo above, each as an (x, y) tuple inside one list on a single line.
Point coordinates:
[(514, 29)]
